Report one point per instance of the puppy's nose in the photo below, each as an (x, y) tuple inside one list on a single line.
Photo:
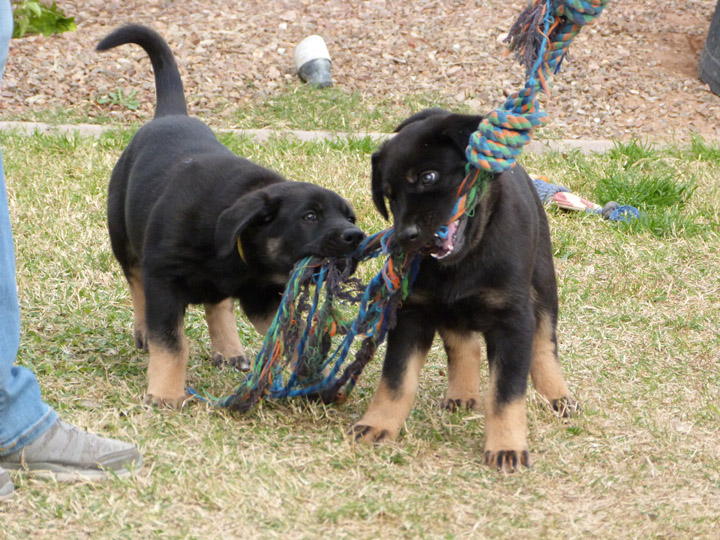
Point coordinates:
[(408, 235), (352, 237)]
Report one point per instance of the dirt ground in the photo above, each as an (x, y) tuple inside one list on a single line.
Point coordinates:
[(634, 73)]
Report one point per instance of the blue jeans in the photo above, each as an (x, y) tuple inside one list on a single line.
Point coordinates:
[(23, 414)]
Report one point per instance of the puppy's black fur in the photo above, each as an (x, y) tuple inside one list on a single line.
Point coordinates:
[(494, 276), (191, 223)]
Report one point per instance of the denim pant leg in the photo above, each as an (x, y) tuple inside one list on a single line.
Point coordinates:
[(23, 414)]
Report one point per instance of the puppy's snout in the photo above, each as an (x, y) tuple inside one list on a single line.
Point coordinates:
[(352, 237), (408, 235)]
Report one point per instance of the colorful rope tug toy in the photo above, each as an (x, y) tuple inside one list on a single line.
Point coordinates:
[(561, 196), (322, 302)]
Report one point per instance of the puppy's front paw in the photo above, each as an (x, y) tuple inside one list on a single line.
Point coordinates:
[(370, 434), (454, 404), (174, 403), (508, 461), (239, 362), (566, 407)]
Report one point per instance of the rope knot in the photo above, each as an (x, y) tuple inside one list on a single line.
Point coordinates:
[(581, 12)]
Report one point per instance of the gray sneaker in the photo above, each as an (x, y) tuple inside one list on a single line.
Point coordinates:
[(67, 454), (7, 487)]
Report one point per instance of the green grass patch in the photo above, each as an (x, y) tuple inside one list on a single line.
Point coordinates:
[(638, 339), (638, 173), (662, 183), (294, 106), (333, 109)]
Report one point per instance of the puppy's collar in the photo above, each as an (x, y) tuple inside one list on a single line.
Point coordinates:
[(240, 250)]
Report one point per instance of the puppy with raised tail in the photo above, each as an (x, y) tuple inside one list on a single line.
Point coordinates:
[(492, 275), (192, 223)]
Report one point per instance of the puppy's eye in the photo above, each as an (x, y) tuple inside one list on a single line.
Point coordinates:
[(310, 216), (351, 219), (427, 178)]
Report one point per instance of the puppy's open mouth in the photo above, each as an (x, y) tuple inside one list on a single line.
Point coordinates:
[(448, 240)]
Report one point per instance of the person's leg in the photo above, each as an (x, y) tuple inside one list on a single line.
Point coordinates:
[(31, 435), (23, 414)]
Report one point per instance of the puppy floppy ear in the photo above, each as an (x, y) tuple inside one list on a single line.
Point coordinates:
[(377, 189), (422, 115), (459, 127), (253, 209)]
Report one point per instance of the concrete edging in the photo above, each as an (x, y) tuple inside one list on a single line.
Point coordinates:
[(262, 135)]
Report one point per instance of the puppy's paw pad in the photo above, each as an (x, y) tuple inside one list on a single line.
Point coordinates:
[(566, 407), (455, 404), (369, 434), (165, 402), (508, 461)]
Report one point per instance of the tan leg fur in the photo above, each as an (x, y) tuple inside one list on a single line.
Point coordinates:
[(505, 432), (166, 374), (389, 409), (545, 371), (262, 324), (464, 355), (137, 294), (226, 345)]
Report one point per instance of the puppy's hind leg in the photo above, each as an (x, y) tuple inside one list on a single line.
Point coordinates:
[(137, 293), (226, 346), (545, 370)]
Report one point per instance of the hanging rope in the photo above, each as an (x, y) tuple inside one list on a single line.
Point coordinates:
[(296, 357), (540, 38)]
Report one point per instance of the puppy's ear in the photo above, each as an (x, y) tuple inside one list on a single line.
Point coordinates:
[(253, 209), (459, 127), (422, 115), (377, 188)]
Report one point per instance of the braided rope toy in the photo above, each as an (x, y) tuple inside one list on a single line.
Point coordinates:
[(295, 358), (561, 196)]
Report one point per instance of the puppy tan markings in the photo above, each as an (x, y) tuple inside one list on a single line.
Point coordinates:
[(464, 352), (390, 407), (224, 339), (137, 294)]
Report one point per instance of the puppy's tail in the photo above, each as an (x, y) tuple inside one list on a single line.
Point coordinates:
[(168, 85)]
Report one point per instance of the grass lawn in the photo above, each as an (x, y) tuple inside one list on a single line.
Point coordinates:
[(639, 339)]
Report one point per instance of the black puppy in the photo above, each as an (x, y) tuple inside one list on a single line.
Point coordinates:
[(191, 223), (493, 275)]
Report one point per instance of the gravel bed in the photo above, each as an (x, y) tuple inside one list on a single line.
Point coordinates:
[(634, 73)]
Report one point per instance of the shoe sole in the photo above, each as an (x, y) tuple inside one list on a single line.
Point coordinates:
[(69, 474)]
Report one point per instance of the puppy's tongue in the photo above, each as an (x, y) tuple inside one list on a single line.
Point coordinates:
[(449, 243), (445, 239)]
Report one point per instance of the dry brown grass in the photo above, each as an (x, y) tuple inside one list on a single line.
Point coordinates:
[(639, 333)]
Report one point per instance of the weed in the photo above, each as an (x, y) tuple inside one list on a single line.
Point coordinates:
[(33, 17), (118, 98)]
